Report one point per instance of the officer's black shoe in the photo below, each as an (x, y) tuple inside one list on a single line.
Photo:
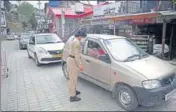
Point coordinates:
[(78, 92), (74, 99)]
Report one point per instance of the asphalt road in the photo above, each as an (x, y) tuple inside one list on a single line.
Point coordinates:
[(33, 88)]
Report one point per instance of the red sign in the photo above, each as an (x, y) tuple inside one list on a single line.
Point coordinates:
[(144, 21)]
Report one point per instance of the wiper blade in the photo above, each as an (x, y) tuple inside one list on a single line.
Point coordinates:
[(50, 42), (59, 42), (130, 57)]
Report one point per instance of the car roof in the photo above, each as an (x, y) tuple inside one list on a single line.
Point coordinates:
[(104, 36), (45, 34)]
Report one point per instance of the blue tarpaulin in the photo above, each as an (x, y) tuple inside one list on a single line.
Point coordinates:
[(54, 3)]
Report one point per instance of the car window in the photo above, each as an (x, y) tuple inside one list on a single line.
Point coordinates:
[(94, 49)]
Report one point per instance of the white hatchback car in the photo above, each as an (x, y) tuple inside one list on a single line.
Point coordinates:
[(45, 48)]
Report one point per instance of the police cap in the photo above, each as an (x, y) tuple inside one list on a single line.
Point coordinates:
[(80, 33)]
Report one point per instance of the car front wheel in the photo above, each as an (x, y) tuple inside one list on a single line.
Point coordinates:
[(65, 70), (126, 98)]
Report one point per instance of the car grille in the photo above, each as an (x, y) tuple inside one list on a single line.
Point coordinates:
[(168, 80), (50, 59), (55, 52)]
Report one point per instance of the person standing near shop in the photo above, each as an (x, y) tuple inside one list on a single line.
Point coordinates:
[(74, 65)]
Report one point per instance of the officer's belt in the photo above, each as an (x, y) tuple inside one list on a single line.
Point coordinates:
[(71, 56)]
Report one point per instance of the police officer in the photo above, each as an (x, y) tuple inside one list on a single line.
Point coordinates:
[(74, 65)]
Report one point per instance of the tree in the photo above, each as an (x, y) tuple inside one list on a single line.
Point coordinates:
[(33, 21), (24, 24), (26, 10)]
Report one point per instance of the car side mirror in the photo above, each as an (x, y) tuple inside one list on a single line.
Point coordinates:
[(105, 58)]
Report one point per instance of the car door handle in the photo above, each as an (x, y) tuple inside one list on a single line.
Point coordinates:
[(87, 61)]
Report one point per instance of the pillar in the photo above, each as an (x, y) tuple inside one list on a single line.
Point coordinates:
[(163, 37)]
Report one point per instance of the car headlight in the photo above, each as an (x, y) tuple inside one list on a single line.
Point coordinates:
[(151, 84), (42, 51)]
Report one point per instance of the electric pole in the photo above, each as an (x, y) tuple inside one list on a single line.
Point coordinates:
[(0, 17), (63, 20), (39, 3)]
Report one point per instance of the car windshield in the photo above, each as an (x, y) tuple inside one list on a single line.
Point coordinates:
[(123, 49), (46, 39)]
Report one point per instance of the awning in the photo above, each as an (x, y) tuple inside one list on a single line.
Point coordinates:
[(136, 16), (70, 13)]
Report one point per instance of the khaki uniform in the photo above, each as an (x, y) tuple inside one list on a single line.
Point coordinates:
[(73, 66)]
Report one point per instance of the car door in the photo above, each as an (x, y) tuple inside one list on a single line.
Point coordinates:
[(31, 46), (94, 67)]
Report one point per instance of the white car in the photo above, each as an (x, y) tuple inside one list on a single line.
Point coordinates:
[(10, 37), (45, 48)]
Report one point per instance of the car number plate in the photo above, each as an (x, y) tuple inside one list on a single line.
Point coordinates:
[(57, 56), (169, 95)]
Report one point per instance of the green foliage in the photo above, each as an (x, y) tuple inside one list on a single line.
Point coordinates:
[(33, 21), (24, 23), (174, 1), (27, 12), (26, 9)]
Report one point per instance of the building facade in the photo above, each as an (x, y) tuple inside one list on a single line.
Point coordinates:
[(67, 22)]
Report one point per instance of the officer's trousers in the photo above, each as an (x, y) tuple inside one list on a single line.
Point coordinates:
[(73, 72)]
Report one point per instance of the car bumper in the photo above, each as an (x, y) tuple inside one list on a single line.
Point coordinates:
[(48, 58), (155, 96)]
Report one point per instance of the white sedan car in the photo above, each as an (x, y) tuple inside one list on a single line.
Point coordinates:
[(45, 48)]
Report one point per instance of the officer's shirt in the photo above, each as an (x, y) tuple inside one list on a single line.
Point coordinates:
[(75, 50)]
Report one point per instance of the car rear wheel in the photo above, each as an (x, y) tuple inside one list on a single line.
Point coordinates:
[(126, 98), (36, 61), (65, 70)]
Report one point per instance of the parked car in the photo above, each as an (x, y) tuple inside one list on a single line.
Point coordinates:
[(23, 40), (45, 48), (133, 76), (10, 37)]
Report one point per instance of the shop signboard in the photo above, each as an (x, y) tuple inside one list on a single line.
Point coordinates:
[(54, 3), (107, 10)]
